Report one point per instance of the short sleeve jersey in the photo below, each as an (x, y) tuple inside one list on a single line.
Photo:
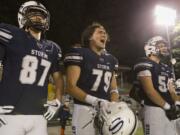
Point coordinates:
[(96, 71), (159, 73), (27, 66)]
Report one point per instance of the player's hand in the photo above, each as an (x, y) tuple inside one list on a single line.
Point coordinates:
[(2, 121), (98, 103), (172, 113), (102, 105), (171, 85), (52, 107), (6, 109)]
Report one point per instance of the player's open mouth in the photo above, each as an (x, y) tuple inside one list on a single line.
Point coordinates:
[(102, 41)]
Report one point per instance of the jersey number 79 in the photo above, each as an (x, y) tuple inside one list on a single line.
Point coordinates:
[(106, 78)]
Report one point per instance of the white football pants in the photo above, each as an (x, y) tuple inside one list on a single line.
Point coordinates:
[(155, 122), (24, 125), (177, 125), (82, 120)]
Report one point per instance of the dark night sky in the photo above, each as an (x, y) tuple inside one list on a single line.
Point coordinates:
[(129, 22)]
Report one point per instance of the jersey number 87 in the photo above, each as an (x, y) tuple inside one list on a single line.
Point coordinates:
[(29, 70)]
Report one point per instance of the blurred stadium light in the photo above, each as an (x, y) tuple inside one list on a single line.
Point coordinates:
[(165, 16)]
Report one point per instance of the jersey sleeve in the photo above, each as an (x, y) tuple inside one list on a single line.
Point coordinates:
[(57, 64), (74, 57), (5, 34), (143, 68)]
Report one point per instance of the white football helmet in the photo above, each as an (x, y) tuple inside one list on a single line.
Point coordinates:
[(33, 8), (119, 120), (151, 47)]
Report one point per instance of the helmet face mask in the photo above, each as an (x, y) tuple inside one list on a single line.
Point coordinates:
[(35, 15), (156, 46)]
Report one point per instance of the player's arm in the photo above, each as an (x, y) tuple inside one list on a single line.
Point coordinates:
[(56, 72), (172, 91), (174, 96), (73, 62), (54, 105), (73, 74), (3, 109), (114, 91), (59, 84), (6, 37), (150, 91)]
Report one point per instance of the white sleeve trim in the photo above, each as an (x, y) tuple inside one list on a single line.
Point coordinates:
[(5, 35), (73, 58), (142, 64), (144, 73)]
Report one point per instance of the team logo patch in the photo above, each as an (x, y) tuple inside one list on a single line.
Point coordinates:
[(101, 59), (39, 45)]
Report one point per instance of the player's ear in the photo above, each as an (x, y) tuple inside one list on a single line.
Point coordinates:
[(90, 38)]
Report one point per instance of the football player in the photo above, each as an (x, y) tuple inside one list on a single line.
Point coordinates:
[(157, 89), (28, 60), (90, 78)]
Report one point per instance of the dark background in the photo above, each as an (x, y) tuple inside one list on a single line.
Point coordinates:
[(130, 23)]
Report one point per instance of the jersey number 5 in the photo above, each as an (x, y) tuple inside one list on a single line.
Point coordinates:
[(162, 83), (106, 79), (29, 70)]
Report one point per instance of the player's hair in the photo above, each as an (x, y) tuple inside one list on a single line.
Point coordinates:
[(88, 32)]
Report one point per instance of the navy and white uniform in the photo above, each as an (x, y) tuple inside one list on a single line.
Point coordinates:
[(95, 78), (155, 120), (27, 64)]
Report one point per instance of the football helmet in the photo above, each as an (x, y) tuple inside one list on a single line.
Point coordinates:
[(30, 9), (119, 120), (153, 46)]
